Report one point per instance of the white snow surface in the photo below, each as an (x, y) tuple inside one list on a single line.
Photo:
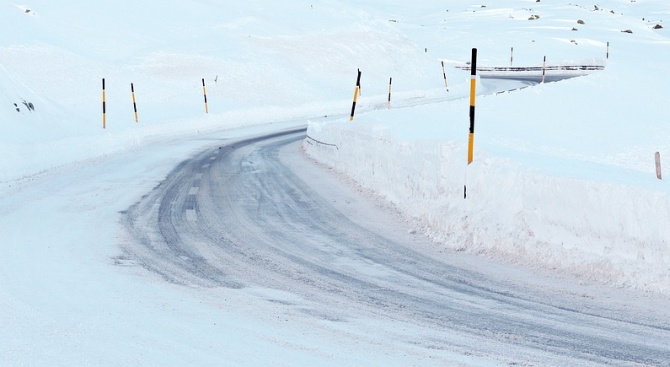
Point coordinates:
[(563, 176)]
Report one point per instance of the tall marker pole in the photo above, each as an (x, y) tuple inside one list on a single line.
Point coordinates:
[(544, 69), (132, 92), (608, 51), (204, 93), (389, 102), (444, 74), (511, 57), (657, 157), (473, 87), (471, 137), (104, 106)]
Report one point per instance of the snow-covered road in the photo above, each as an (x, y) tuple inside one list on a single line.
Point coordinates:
[(253, 213), (233, 242)]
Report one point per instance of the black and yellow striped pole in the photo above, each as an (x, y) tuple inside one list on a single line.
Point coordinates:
[(473, 87), (204, 93), (353, 106), (471, 136), (389, 101), (104, 106), (132, 93), (357, 92), (444, 74)]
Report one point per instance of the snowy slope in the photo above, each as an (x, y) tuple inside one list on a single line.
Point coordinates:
[(563, 177), (564, 173), (262, 61)]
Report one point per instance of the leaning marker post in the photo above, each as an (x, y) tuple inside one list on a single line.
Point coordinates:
[(471, 137), (104, 106), (204, 93), (132, 92), (444, 74)]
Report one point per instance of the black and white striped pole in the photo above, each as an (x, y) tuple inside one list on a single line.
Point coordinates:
[(132, 92), (511, 57), (544, 69), (389, 101), (444, 74)]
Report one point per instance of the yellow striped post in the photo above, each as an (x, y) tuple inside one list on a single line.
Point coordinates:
[(104, 106), (471, 136), (132, 92), (204, 93), (353, 106), (389, 101), (444, 74), (473, 87)]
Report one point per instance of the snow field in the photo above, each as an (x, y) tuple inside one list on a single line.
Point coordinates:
[(563, 176)]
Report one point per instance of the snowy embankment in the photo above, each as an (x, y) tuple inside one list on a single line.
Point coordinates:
[(563, 176), (563, 173), (260, 66)]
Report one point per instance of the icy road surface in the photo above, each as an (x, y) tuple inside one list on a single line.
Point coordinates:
[(252, 213)]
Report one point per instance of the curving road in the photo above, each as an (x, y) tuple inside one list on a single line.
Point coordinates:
[(254, 213)]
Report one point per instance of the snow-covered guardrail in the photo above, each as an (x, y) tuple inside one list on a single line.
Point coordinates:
[(552, 72)]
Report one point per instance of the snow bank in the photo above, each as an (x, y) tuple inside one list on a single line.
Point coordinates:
[(600, 231), (563, 176)]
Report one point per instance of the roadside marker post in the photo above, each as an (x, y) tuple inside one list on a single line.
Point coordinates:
[(444, 74), (544, 69), (607, 56), (511, 57), (357, 92), (471, 136), (473, 88), (657, 157), (132, 92), (353, 106), (389, 101), (204, 93), (104, 106)]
